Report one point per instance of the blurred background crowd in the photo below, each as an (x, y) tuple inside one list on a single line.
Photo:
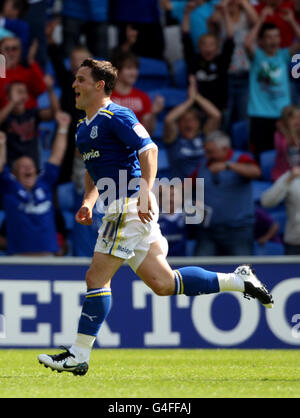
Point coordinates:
[(211, 80)]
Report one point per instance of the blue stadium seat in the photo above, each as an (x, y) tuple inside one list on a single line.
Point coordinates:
[(153, 74), (180, 74), (66, 203), (279, 215), (44, 101), (240, 135), (173, 96), (258, 188), (2, 216), (267, 162), (270, 248)]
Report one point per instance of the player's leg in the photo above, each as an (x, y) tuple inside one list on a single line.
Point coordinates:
[(155, 271), (95, 310)]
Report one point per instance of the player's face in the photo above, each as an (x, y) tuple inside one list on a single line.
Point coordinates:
[(25, 172), (85, 88), (215, 153)]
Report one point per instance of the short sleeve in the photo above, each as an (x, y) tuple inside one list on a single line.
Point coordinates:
[(50, 174), (130, 131)]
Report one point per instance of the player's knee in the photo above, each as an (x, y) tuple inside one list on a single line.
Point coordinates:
[(92, 279), (162, 288)]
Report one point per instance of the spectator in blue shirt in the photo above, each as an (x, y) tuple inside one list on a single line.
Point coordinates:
[(28, 198), (227, 178), (87, 17)]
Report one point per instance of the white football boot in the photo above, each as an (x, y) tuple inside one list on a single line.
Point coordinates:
[(254, 288), (64, 362)]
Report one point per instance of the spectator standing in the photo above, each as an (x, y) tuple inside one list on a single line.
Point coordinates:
[(287, 189), (184, 135), (11, 18), (228, 176), (21, 124), (209, 66), (287, 141), (87, 17), (31, 75), (142, 16), (277, 12), (242, 15), (269, 80), (125, 94), (65, 78), (28, 198), (201, 11)]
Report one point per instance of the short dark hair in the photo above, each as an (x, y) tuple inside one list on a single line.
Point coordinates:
[(120, 59), (102, 70), (265, 27)]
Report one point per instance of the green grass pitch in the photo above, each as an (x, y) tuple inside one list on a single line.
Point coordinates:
[(156, 374)]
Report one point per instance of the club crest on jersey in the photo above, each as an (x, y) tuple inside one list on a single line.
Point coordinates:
[(94, 132)]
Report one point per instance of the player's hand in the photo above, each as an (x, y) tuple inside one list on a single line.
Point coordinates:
[(144, 205), (84, 216)]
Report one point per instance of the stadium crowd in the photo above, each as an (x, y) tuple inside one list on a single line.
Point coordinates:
[(212, 82)]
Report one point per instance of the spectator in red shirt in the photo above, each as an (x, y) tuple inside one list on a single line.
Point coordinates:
[(32, 75), (127, 95), (278, 17)]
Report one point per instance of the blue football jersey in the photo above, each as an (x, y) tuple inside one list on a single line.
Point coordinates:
[(110, 143)]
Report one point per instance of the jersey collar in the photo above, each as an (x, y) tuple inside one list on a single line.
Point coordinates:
[(88, 121)]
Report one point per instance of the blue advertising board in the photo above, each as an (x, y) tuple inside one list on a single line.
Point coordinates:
[(40, 303)]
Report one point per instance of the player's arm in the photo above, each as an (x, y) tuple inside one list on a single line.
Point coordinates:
[(250, 40), (148, 163), (84, 216), (2, 151)]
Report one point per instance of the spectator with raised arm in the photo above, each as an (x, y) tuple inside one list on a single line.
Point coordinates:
[(65, 78), (278, 9), (184, 133), (228, 176), (209, 66), (28, 198), (21, 124), (269, 79), (243, 16), (31, 75)]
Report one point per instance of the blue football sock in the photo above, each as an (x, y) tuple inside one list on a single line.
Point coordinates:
[(95, 309), (193, 281)]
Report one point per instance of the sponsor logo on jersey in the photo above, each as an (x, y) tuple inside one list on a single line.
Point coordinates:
[(90, 155)]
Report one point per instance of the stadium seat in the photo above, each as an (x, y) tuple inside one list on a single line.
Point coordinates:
[(173, 96), (258, 188), (2, 216), (153, 74), (267, 162), (66, 203), (240, 135), (44, 101), (180, 74), (270, 248), (279, 215)]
